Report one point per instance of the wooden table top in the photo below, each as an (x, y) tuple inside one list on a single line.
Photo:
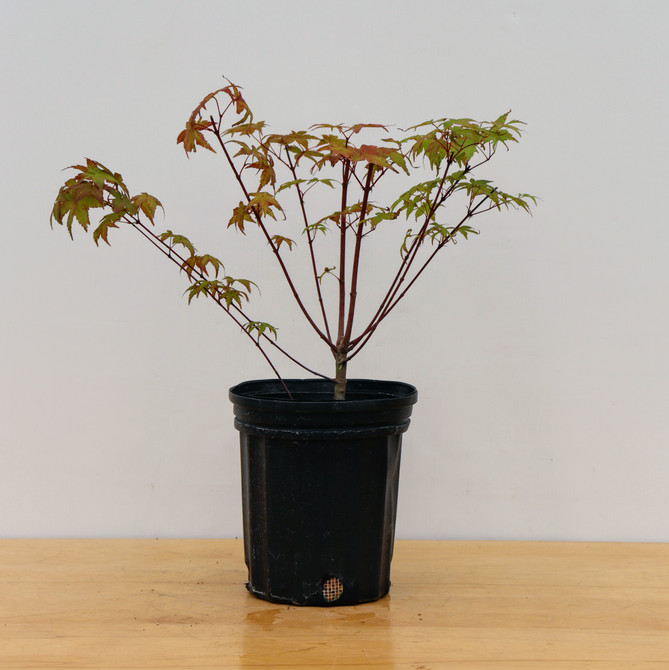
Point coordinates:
[(182, 604)]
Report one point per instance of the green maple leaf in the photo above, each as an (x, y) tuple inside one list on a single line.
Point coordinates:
[(173, 239), (99, 174), (260, 327)]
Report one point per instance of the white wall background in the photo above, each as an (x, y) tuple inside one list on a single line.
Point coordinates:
[(540, 348)]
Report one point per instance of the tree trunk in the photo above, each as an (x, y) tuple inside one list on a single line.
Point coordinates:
[(340, 378)]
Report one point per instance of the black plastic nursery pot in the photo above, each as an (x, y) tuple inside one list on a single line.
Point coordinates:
[(319, 487)]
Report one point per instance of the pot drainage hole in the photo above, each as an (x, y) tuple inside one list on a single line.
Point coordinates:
[(332, 589)]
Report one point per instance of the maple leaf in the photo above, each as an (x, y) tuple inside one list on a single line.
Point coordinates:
[(106, 222), (173, 239), (382, 215), (299, 138), (99, 174), (240, 214), (85, 195), (376, 155), (200, 263), (260, 327), (147, 204), (208, 259), (279, 240), (329, 126), (85, 191), (288, 184), (264, 165), (263, 203), (191, 136), (241, 107), (198, 288), (245, 128), (121, 203), (398, 158), (221, 291), (203, 103), (359, 126)]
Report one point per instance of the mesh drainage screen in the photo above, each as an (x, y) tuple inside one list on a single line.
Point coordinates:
[(332, 589)]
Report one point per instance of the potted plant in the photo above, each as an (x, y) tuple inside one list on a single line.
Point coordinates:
[(320, 456)]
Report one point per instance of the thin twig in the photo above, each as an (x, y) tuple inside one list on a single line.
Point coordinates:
[(312, 252)]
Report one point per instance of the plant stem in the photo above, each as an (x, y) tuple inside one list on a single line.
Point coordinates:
[(340, 377), (342, 344), (342, 255), (356, 253)]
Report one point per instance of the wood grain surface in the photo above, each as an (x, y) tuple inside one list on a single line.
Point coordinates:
[(182, 604)]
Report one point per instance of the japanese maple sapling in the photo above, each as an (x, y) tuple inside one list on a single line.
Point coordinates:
[(440, 160)]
